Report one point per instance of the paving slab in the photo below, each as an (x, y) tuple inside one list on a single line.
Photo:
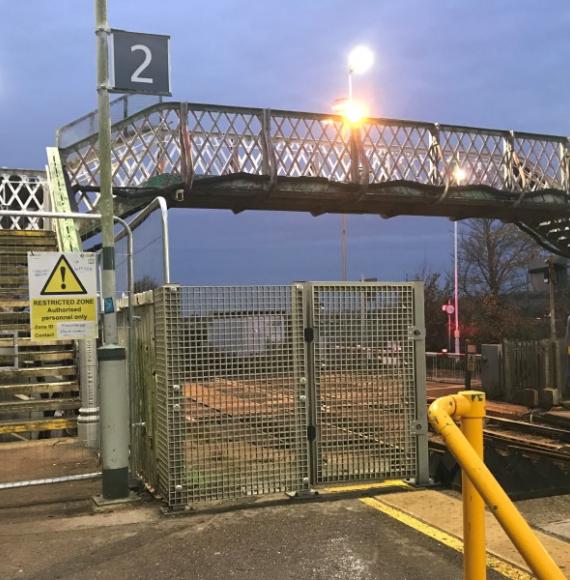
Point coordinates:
[(444, 511)]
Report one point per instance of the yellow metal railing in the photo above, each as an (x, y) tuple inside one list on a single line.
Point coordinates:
[(479, 484)]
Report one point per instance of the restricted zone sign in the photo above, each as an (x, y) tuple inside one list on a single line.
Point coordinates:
[(63, 295)]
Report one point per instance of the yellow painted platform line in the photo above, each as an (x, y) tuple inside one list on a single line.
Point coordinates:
[(497, 564), (398, 483)]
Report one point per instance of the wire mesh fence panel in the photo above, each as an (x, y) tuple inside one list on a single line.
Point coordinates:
[(365, 381), (450, 367), (138, 336), (231, 412)]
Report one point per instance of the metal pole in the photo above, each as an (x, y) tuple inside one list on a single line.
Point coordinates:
[(553, 379), (468, 358), (475, 561), (105, 171), (344, 217), (456, 289), (112, 357), (156, 203)]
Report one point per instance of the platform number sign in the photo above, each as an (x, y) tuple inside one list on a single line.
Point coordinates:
[(139, 63)]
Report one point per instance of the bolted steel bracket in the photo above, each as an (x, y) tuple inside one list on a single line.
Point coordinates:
[(415, 333), (419, 427)]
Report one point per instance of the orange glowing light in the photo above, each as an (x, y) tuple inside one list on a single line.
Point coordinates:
[(354, 111)]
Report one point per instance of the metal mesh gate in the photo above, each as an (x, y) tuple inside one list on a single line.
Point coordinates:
[(250, 401), (231, 395), (369, 415)]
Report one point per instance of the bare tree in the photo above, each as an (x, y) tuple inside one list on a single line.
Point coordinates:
[(437, 289), (494, 258), (145, 283)]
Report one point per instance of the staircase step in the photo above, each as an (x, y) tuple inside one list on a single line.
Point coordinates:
[(21, 234), (39, 405), (55, 371), (20, 327), (34, 244), (26, 342), (13, 318), (20, 303), (39, 425), (29, 388), (14, 293), (13, 259), (47, 356), (19, 249), (15, 277)]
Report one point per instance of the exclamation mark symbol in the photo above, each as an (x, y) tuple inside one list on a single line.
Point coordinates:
[(62, 272)]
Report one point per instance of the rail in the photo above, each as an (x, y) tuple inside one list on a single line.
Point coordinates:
[(478, 484)]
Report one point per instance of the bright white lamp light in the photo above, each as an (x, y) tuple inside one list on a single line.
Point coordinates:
[(360, 59), (459, 174)]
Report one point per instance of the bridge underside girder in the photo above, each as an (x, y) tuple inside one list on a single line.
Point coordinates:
[(241, 191)]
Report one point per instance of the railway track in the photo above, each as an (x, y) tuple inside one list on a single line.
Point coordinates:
[(529, 456)]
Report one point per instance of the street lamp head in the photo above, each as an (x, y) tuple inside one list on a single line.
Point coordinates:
[(360, 59)]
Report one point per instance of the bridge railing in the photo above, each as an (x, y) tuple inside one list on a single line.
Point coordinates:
[(23, 190), (193, 140)]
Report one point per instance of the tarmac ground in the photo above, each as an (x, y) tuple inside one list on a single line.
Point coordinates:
[(44, 536)]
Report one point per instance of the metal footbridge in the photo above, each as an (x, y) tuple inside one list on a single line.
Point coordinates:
[(209, 156)]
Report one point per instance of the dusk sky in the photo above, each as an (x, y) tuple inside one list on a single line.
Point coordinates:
[(501, 64)]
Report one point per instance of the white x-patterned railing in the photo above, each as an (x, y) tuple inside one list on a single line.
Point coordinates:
[(193, 141), (500, 170), (25, 190)]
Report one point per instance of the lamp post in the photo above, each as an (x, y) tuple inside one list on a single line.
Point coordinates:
[(360, 59), (459, 175)]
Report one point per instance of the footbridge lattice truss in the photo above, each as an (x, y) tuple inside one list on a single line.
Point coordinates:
[(209, 156)]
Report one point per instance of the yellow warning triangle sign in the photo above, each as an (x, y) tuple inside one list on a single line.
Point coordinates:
[(63, 280)]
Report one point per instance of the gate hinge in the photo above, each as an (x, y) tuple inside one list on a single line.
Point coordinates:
[(309, 334), (311, 432)]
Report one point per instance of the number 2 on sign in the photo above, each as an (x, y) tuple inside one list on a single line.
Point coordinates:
[(135, 77)]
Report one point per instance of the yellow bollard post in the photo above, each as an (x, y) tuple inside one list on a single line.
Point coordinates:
[(441, 414), (475, 559)]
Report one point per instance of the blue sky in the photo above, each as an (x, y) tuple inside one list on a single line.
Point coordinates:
[(497, 64)]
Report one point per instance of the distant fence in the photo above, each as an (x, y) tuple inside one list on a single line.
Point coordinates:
[(450, 367)]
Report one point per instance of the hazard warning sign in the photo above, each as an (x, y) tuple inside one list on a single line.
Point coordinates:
[(63, 280), (63, 295)]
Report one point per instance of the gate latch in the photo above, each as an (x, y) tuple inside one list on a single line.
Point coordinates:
[(416, 333), (309, 334)]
